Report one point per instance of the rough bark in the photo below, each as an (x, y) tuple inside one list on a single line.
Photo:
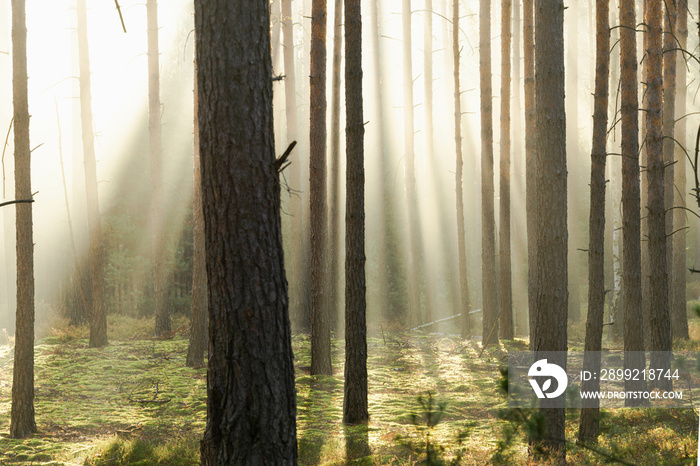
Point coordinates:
[(505, 280), (334, 299), (551, 301), (97, 317), (590, 415), (530, 166), (355, 399), (633, 329), (251, 402), (679, 316), (22, 421), (320, 322), (459, 171), (198, 321), (488, 223), (659, 318), (162, 320)]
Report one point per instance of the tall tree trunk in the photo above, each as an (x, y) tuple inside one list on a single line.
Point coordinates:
[(659, 320), (96, 314), (389, 266), (334, 194), (518, 177), (22, 421), (198, 328), (320, 324), (297, 294), (162, 323), (679, 316), (251, 403), (575, 169), (505, 283), (414, 240), (488, 225), (551, 300), (646, 297), (431, 275), (530, 166), (590, 414), (633, 327), (355, 399), (669, 144), (459, 172)]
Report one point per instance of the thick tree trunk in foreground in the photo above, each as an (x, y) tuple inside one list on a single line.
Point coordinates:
[(162, 324), (251, 402), (659, 319), (551, 300), (590, 415), (633, 327), (96, 314), (320, 322), (22, 421), (679, 316), (505, 284), (355, 400), (459, 186), (198, 328), (489, 286)]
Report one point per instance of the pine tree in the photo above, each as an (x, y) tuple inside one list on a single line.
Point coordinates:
[(251, 402)]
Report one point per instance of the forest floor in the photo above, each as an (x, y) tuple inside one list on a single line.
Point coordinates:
[(135, 402)]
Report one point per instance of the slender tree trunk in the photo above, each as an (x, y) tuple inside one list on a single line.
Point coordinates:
[(320, 324), (387, 242), (334, 257), (505, 280), (488, 225), (162, 323), (551, 300), (518, 177), (659, 320), (669, 144), (575, 169), (251, 403), (297, 294), (459, 171), (590, 414), (431, 275), (633, 327), (414, 239), (679, 316), (646, 297), (22, 421), (530, 166), (355, 401), (198, 323), (96, 314)]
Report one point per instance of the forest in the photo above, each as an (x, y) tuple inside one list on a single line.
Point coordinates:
[(333, 232)]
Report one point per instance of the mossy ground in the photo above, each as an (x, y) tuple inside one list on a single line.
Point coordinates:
[(135, 402)]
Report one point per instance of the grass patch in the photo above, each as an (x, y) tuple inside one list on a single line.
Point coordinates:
[(96, 406)]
